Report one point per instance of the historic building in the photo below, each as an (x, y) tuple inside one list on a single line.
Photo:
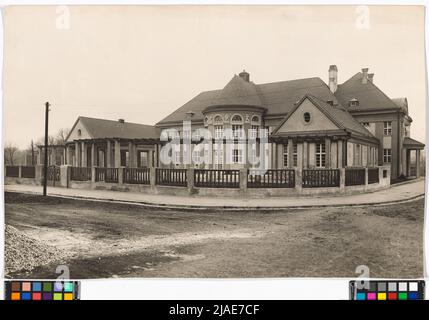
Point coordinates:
[(310, 124)]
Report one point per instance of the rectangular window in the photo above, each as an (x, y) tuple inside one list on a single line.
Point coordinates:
[(237, 131), (320, 155), (387, 155), (358, 155), (285, 156), (218, 153), (144, 159), (237, 156), (387, 128), (218, 131), (253, 132), (295, 155)]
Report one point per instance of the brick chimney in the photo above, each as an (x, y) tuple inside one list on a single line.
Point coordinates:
[(121, 120), (365, 75), (244, 75), (333, 77), (371, 77)]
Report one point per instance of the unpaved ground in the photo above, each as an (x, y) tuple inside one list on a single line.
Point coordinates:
[(116, 240)]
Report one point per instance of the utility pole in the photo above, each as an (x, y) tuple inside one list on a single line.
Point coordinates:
[(45, 165), (32, 153)]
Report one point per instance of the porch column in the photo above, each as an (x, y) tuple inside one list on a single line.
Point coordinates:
[(108, 154), (290, 153), (274, 156), (408, 163), (328, 153), (84, 155), (76, 155), (340, 152), (93, 162), (305, 155), (39, 156), (117, 154), (417, 163)]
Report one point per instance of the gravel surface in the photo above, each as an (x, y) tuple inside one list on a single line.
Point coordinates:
[(24, 253)]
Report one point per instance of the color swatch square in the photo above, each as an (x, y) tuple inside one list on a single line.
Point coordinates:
[(402, 296), (402, 286), (68, 287), (414, 286), (26, 296), (381, 296), (68, 296), (37, 296), (47, 296), (15, 296), (58, 296), (413, 295), (16, 286), (392, 286), (37, 286), (382, 286), (58, 286), (47, 286), (361, 296), (392, 296), (371, 296), (26, 286)]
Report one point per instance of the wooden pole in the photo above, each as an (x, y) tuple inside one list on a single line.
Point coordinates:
[(45, 166)]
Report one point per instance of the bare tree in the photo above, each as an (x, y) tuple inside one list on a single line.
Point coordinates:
[(61, 136), (11, 154)]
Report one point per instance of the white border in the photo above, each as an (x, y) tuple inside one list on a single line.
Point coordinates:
[(289, 288)]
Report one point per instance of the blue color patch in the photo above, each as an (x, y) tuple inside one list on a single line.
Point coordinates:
[(413, 295), (25, 296), (360, 296), (37, 286)]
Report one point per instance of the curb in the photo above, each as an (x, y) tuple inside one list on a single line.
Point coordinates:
[(222, 208)]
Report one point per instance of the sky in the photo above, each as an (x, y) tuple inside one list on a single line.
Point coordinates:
[(141, 63)]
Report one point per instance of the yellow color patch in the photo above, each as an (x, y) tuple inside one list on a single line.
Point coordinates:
[(381, 296), (68, 296)]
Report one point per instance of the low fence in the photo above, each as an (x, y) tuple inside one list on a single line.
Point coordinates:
[(320, 178), (284, 178), (171, 177), (216, 178), (110, 175), (373, 175), (12, 171), (273, 182), (80, 173), (355, 177), (137, 175)]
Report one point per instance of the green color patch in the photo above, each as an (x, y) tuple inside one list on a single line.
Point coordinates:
[(402, 296), (47, 286), (58, 296)]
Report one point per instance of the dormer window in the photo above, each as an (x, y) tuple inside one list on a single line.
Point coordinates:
[(354, 103)]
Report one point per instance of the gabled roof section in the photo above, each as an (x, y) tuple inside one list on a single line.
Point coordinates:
[(101, 128), (411, 143), (278, 98), (336, 113), (370, 97)]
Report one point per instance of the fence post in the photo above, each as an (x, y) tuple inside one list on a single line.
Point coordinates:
[(243, 180), (93, 173), (121, 175), (20, 172), (342, 180), (152, 177), (298, 180), (65, 176), (190, 180), (366, 178), (38, 174)]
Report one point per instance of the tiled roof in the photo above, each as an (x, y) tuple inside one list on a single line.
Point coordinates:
[(410, 142), (370, 97), (277, 97), (101, 128), (337, 114)]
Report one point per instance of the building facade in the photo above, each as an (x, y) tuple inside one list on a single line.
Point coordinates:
[(306, 123)]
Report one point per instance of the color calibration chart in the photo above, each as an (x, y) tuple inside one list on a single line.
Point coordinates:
[(42, 290), (387, 290)]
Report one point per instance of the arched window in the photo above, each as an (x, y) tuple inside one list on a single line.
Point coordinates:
[(218, 119), (237, 119), (255, 119), (79, 132), (307, 117)]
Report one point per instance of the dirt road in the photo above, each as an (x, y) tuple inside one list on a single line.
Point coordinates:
[(116, 240)]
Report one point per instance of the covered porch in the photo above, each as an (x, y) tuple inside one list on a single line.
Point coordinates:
[(411, 163)]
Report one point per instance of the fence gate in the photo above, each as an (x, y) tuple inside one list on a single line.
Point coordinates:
[(54, 175)]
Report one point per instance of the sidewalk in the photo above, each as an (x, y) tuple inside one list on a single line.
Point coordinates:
[(397, 193)]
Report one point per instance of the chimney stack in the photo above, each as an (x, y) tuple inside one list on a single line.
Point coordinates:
[(371, 77), (333, 77), (365, 75), (245, 75), (121, 120)]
